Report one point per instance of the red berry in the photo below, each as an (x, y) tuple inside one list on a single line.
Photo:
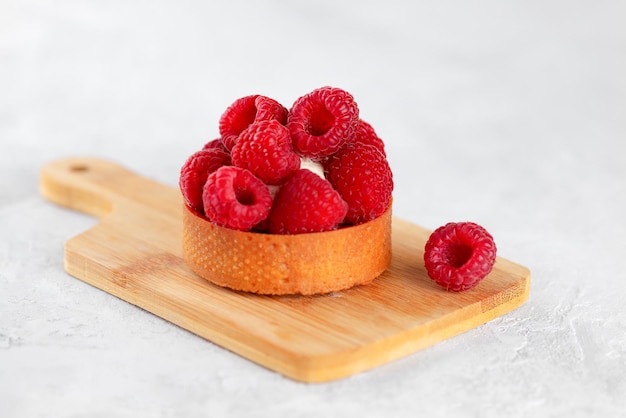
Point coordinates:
[(458, 256), (322, 121), (265, 149), (216, 143), (235, 198), (306, 203), (194, 173), (239, 115), (365, 134), (363, 178)]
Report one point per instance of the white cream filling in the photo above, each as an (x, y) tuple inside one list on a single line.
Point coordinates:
[(307, 163), (313, 166)]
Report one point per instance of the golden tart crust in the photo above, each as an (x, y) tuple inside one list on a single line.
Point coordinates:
[(272, 264)]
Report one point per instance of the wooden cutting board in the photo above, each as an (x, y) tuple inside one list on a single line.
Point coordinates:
[(134, 253)]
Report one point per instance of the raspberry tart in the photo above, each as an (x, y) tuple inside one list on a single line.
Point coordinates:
[(291, 201)]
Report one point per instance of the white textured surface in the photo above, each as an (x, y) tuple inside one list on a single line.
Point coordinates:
[(510, 114)]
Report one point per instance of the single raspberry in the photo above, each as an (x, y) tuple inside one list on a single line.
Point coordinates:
[(216, 143), (458, 256), (365, 134), (363, 178), (194, 173), (322, 121), (306, 203), (235, 198), (239, 115), (265, 149)]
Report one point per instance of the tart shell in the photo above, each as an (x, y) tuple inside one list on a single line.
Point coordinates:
[(272, 264)]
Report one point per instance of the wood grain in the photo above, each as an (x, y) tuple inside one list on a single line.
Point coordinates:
[(134, 253)]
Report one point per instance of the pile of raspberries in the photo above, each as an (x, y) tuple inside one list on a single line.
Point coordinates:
[(314, 167)]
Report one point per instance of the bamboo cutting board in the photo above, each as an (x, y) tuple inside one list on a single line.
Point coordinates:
[(134, 253)]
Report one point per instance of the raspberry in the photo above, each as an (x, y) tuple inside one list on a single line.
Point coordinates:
[(365, 134), (363, 178), (458, 256), (239, 115), (306, 203), (265, 149), (322, 121), (194, 173), (216, 143), (235, 198)]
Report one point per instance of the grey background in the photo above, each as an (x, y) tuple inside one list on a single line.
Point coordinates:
[(509, 114)]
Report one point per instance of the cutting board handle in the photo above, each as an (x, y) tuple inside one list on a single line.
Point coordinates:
[(91, 185)]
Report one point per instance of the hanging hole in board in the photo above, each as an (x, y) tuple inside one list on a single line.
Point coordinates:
[(79, 168)]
